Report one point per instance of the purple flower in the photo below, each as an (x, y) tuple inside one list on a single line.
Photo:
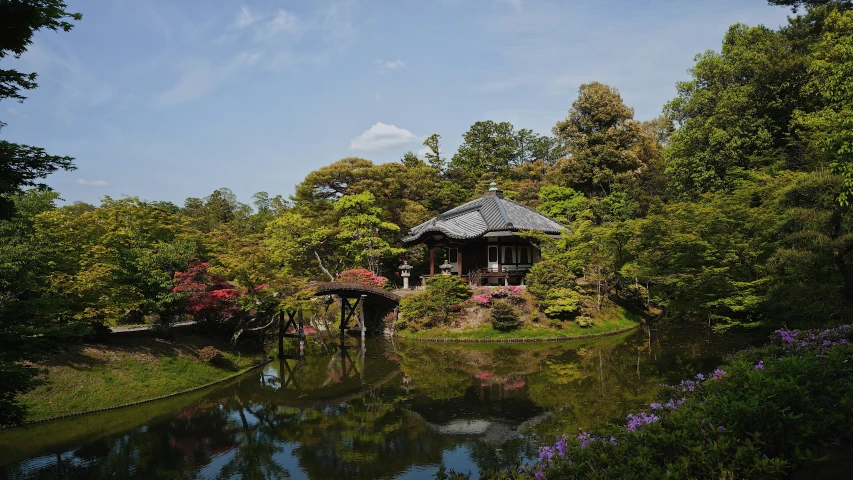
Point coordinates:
[(721, 428), (561, 446), (545, 454), (613, 441), (759, 365), (718, 374), (642, 418), (585, 439), (540, 475), (656, 406), (700, 377)]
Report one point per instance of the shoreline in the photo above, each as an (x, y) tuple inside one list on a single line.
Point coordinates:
[(516, 340), (140, 402)]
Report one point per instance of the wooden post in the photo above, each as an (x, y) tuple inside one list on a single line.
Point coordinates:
[(344, 306), (432, 260), (361, 317), (459, 261), (301, 334), (281, 335)]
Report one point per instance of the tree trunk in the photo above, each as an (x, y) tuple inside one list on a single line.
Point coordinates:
[(319, 261)]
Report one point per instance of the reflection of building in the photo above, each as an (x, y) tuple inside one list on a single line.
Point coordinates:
[(491, 419), (481, 238)]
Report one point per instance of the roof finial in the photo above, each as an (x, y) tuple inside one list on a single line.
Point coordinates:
[(493, 187)]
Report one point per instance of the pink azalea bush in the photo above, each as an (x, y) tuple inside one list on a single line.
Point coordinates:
[(363, 276), (514, 294)]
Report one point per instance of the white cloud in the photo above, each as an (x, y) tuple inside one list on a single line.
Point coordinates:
[(245, 17), (423, 151), (381, 137), (201, 77), (92, 183), (282, 22), (386, 65)]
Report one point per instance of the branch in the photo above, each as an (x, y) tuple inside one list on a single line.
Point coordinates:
[(331, 278)]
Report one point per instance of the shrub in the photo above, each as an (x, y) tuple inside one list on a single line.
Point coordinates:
[(584, 321), (512, 293), (764, 415), (548, 275), (483, 299), (450, 288), (504, 317), (435, 305), (209, 354), (363, 276), (563, 303)]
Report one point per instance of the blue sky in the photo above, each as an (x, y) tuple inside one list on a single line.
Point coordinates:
[(166, 100)]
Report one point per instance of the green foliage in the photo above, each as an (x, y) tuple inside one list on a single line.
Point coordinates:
[(562, 303), (22, 165), (584, 321), (492, 149), (434, 306), (600, 133), (365, 237), (504, 317), (764, 415)]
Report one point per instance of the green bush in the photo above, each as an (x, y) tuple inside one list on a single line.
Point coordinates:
[(767, 413), (504, 317), (450, 288), (548, 275), (584, 321), (435, 306), (563, 303)]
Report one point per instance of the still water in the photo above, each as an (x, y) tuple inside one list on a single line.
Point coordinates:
[(392, 410)]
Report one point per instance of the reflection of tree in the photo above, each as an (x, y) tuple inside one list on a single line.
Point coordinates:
[(255, 459), (385, 426)]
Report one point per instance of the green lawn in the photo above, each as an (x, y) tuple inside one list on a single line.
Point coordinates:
[(617, 319), (94, 376)]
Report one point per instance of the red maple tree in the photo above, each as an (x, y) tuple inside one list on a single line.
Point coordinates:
[(208, 296)]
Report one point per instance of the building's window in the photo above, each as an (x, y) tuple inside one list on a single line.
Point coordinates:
[(493, 254), (452, 255), (523, 256), (508, 256)]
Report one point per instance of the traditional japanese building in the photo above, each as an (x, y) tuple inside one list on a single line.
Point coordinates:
[(480, 239)]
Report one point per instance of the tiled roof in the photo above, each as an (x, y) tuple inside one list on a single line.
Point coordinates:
[(491, 213)]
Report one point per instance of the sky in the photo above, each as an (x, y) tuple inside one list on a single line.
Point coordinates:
[(165, 100)]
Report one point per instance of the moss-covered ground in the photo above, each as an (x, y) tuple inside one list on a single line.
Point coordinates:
[(614, 319), (126, 370)]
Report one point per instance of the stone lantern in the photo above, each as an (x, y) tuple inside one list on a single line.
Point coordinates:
[(445, 268), (405, 272)]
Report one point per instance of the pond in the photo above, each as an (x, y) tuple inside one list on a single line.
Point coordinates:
[(392, 410)]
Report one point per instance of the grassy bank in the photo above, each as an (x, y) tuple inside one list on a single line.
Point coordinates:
[(125, 370), (614, 320)]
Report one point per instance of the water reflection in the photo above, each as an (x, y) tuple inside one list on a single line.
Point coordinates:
[(390, 410)]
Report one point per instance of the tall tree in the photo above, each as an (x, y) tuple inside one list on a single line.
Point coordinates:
[(433, 156), (600, 134), (734, 115), (488, 148), (22, 165)]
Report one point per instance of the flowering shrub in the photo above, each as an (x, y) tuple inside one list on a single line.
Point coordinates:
[(512, 293), (209, 354), (363, 276), (767, 413), (483, 299)]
